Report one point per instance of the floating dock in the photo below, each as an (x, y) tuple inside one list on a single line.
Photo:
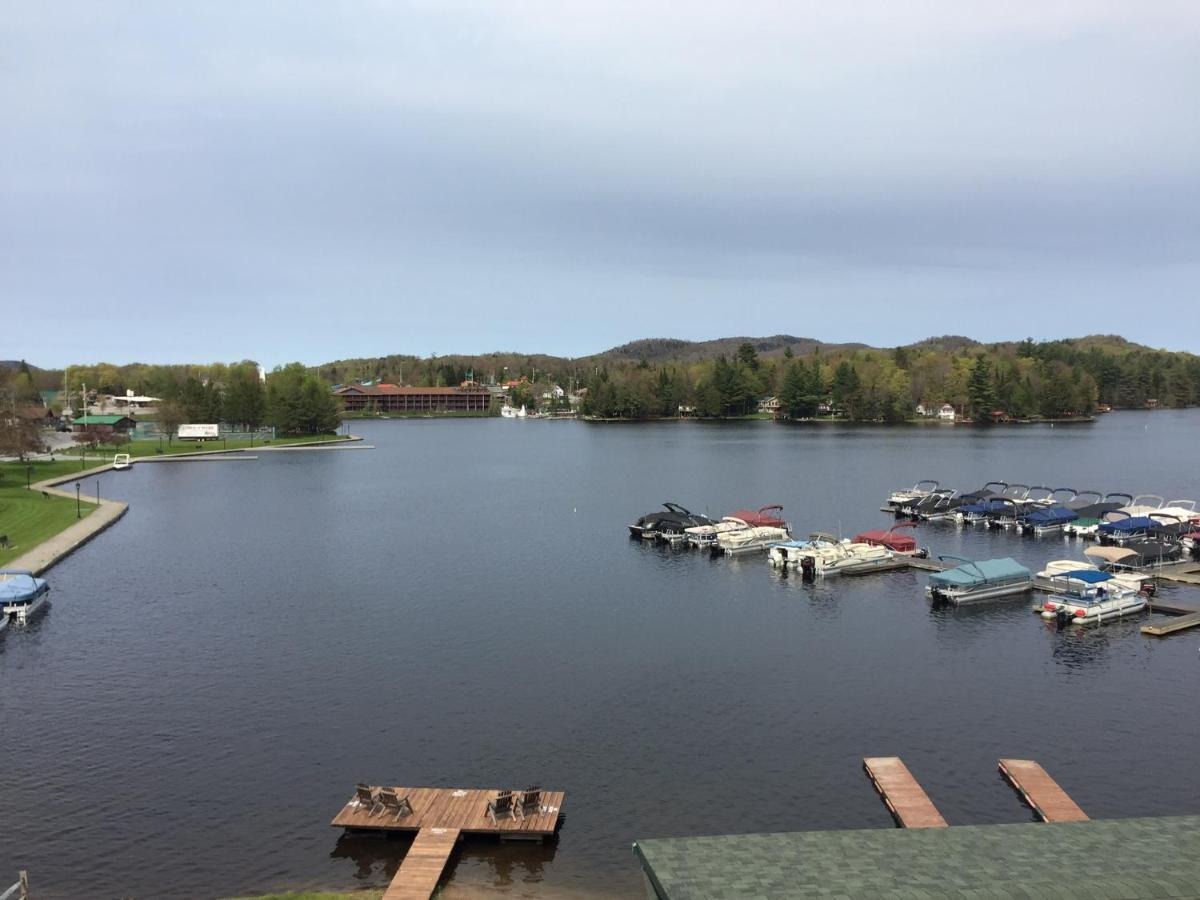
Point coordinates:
[(1049, 801), (440, 816), (906, 799), (1162, 627)]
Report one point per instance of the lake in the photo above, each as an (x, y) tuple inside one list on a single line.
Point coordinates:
[(462, 606)]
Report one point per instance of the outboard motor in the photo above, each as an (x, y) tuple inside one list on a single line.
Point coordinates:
[(1062, 616), (808, 568)]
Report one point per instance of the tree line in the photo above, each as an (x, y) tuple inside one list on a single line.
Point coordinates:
[(1057, 379), (293, 400)]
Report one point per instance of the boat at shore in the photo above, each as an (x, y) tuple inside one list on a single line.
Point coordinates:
[(977, 580), (122, 462), (1089, 597), (675, 520), (21, 594)]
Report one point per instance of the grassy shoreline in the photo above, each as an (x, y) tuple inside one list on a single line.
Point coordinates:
[(30, 517)]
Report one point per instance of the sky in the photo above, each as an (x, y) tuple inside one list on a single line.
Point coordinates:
[(216, 180)]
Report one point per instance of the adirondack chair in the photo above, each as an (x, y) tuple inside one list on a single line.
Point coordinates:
[(501, 807)]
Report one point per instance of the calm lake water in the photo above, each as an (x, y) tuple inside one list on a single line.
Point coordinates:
[(461, 606)]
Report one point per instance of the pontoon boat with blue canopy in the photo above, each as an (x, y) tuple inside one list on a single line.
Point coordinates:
[(21, 594), (1091, 596), (973, 581)]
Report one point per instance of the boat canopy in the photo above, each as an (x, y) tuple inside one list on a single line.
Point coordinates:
[(19, 584), (985, 571), (1132, 525), (1110, 554), (1052, 515), (1090, 576), (890, 538)]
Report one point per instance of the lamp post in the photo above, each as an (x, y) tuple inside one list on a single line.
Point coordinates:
[(28, 474), (97, 493), (78, 513)]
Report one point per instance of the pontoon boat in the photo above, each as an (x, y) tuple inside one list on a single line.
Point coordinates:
[(21, 594), (900, 543), (974, 581), (1091, 596), (675, 520), (704, 536)]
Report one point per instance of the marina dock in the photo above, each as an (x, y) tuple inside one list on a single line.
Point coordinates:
[(1043, 794), (440, 816), (906, 799)]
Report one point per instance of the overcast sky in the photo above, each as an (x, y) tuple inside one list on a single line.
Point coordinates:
[(192, 181)]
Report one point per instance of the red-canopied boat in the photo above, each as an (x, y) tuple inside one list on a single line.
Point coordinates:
[(894, 539)]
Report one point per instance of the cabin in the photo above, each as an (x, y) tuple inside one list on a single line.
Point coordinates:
[(391, 398), (104, 425), (946, 413), (770, 405)]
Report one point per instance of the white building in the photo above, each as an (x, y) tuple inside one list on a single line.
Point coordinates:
[(946, 413)]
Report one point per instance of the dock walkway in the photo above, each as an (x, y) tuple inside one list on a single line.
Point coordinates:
[(418, 875), (905, 798), (1043, 794)]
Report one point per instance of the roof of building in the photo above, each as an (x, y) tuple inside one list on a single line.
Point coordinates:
[(1111, 858), (380, 390), (101, 420)]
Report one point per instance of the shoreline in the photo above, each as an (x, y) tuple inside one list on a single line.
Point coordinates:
[(45, 555)]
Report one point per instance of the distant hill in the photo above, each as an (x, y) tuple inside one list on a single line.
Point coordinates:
[(657, 350)]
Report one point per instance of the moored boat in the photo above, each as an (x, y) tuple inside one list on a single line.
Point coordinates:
[(845, 558), (675, 520), (21, 594), (705, 536), (1099, 559), (121, 462), (976, 580), (1046, 519), (896, 539), (1089, 596), (752, 539), (898, 500)]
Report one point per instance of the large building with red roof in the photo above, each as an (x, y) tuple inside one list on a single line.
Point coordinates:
[(388, 398)]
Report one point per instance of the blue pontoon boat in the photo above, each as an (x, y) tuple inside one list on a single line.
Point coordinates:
[(985, 579), (1091, 596), (1047, 519), (21, 594)]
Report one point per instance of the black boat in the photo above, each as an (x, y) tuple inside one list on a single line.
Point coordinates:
[(673, 521)]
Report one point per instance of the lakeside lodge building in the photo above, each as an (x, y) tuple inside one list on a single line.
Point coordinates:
[(386, 398)]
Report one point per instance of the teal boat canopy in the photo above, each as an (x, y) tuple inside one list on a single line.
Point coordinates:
[(985, 571)]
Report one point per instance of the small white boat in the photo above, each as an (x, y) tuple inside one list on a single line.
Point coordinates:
[(846, 558), (973, 581), (898, 500), (21, 594), (508, 412), (521, 413), (750, 540), (121, 462), (704, 537), (1091, 596), (790, 553)]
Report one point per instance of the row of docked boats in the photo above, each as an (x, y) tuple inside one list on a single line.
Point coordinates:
[(1103, 586), (21, 595), (1158, 531)]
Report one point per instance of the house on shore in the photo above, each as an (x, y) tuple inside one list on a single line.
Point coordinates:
[(946, 413), (391, 398), (104, 425)]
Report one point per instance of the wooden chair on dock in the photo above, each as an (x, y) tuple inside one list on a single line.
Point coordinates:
[(367, 799), (390, 801), (530, 802), (501, 807)]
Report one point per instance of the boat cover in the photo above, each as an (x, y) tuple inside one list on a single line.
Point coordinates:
[(985, 571), (1131, 525), (1091, 576), (1052, 515), (1110, 554), (17, 585), (901, 543)]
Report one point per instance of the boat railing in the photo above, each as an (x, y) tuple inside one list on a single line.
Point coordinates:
[(20, 890)]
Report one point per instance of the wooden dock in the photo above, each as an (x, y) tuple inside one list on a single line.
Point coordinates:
[(418, 875), (1049, 801), (1162, 627), (908, 802), (440, 816)]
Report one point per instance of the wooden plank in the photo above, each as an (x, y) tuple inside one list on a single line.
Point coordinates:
[(419, 873), (1169, 626), (1049, 801), (459, 808), (905, 798)]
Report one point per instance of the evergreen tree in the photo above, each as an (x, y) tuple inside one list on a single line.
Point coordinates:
[(981, 390)]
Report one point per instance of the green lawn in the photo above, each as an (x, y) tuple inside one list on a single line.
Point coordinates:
[(151, 448), (27, 517)]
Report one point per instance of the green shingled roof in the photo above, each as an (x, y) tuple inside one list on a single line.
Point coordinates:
[(1112, 859), (99, 420)]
